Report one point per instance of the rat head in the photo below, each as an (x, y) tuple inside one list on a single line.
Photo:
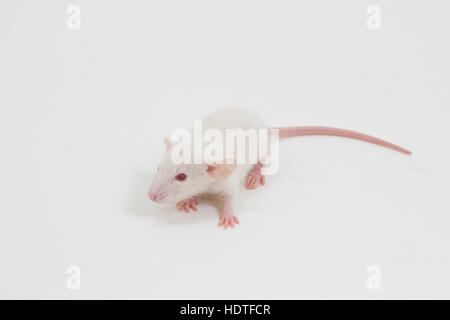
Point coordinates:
[(176, 182)]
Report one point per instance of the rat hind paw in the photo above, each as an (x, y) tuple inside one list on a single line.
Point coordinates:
[(228, 220), (188, 204), (254, 177)]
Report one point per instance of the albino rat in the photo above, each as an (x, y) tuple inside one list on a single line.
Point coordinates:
[(180, 184)]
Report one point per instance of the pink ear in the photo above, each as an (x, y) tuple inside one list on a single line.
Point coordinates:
[(220, 171)]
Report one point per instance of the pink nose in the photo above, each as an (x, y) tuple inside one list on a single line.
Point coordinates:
[(152, 196)]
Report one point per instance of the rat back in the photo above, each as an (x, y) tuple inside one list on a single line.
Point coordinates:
[(233, 118)]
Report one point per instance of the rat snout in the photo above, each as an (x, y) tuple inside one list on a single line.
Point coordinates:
[(156, 195), (153, 196)]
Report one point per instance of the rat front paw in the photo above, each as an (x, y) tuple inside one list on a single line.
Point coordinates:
[(228, 220), (189, 204)]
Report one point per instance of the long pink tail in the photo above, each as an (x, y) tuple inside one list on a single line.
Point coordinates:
[(326, 131)]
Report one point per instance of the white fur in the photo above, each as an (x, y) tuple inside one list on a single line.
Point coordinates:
[(198, 179)]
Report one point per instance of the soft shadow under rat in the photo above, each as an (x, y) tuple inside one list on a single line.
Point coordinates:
[(140, 206)]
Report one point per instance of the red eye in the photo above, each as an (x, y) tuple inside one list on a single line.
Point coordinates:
[(181, 177)]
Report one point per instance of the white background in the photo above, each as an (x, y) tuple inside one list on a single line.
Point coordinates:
[(84, 113)]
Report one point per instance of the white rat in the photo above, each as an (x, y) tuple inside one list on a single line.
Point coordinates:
[(180, 184)]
